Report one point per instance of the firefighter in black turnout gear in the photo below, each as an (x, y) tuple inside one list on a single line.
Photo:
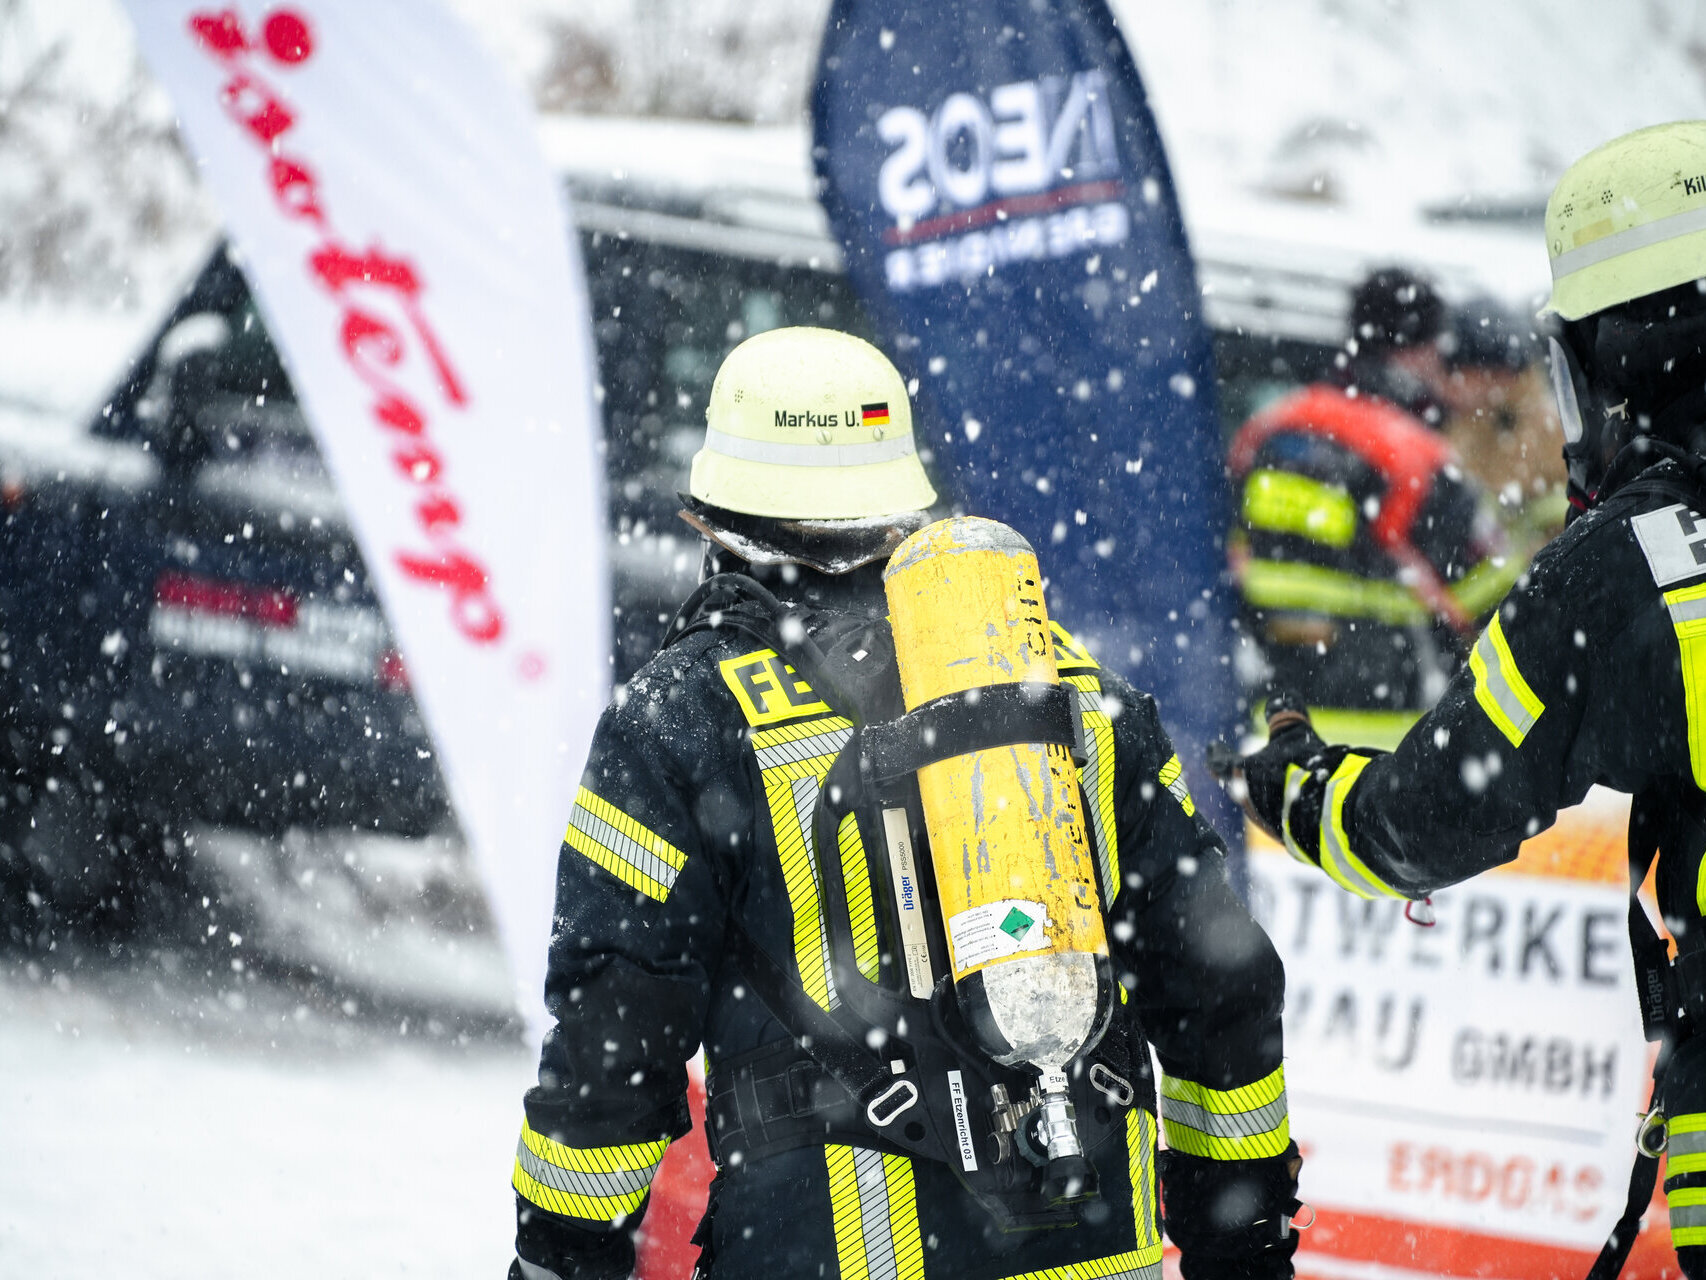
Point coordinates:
[(728, 881), (1593, 670)]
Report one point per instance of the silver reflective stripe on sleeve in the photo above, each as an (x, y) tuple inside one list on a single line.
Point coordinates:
[(622, 846), (533, 1271), (1685, 1144), (574, 1182), (1500, 689), (1338, 860), (1243, 1124), (808, 455), (1685, 1216)]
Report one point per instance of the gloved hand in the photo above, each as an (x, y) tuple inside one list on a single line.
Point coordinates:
[(1292, 740), (1232, 1219)]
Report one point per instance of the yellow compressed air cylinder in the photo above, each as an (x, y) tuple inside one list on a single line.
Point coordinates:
[(1013, 868)]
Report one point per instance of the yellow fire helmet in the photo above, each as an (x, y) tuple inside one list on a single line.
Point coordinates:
[(809, 456), (1629, 219)]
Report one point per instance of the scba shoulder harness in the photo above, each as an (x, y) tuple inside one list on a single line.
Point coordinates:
[(887, 1065), (1665, 817)]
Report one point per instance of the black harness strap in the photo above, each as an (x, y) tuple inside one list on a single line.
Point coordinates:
[(1648, 815), (997, 715)]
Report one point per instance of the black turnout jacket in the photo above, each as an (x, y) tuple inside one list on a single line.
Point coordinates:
[(1592, 671), (694, 813)]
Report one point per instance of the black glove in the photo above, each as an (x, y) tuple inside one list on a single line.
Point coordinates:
[(559, 1247), (1232, 1218), (1292, 740)]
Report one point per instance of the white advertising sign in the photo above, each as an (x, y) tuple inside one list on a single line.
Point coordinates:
[(1484, 1074), (409, 251)]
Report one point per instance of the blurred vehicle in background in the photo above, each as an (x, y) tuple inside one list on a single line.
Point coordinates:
[(203, 700)]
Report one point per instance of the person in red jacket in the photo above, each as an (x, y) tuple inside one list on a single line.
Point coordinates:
[(1363, 553)]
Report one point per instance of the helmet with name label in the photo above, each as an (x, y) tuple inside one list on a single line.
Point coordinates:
[(1626, 235), (809, 456)]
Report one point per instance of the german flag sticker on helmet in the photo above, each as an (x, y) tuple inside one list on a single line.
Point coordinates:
[(874, 415)]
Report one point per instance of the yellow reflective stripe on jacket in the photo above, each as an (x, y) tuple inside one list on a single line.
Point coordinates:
[(1285, 584), (1136, 1265), (1068, 653), (1140, 1157), (1246, 1123), (1284, 502), (1487, 583), (1296, 776), (1173, 778), (597, 1183), (636, 855), (793, 760), (1688, 615), (1338, 859), (875, 1213), (1685, 1144), (1500, 688), (1097, 778), (856, 877), (1687, 1215)]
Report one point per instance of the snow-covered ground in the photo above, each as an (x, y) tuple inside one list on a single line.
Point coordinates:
[(156, 1128), (157, 1122)]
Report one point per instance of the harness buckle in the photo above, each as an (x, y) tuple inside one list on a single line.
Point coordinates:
[(1115, 1088), (1653, 1123), (881, 1118)]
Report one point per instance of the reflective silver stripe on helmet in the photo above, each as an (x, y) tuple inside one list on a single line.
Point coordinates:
[(1618, 243), (809, 455)]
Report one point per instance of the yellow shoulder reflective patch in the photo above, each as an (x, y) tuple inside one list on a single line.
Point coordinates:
[(875, 1211), (1097, 778), (1173, 778), (856, 878), (1283, 502), (1068, 653), (601, 1184), (768, 689), (636, 855), (1503, 694), (1247, 1123), (1338, 860), (1688, 615)]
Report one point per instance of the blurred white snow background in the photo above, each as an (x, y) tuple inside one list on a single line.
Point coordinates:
[(157, 1122)]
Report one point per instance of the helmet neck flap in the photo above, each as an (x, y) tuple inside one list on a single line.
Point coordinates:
[(1631, 374)]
